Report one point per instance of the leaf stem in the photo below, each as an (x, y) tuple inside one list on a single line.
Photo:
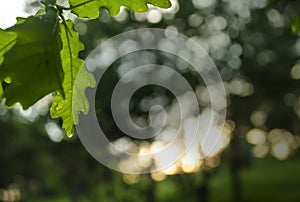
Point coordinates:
[(68, 34), (65, 24), (75, 6)]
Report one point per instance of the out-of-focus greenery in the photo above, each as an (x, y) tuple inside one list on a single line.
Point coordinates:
[(256, 47)]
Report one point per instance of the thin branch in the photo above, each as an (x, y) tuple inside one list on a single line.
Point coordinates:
[(75, 6)]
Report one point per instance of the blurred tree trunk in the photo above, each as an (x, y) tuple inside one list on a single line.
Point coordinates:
[(75, 194), (151, 192), (235, 166), (203, 189)]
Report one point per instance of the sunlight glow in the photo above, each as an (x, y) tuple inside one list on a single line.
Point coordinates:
[(256, 136), (55, 133), (260, 151), (279, 143), (10, 10), (131, 178), (158, 176), (154, 16), (11, 194), (33, 113), (189, 153), (281, 150), (190, 164), (295, 71)]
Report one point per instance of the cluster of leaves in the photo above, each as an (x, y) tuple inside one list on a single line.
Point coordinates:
[(39, 55)]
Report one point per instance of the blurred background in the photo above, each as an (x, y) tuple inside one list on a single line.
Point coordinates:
[(255, 45)]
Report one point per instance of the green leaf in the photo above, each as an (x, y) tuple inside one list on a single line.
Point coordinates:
[(84, 79), (7, 41), (73, 101), (33, 64), (90, 8)]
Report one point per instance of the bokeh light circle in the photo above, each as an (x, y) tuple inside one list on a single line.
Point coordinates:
[(100, 59)]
